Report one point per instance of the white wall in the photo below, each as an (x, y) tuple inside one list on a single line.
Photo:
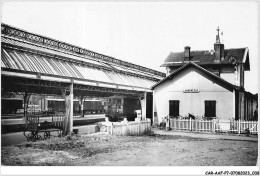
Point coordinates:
[(229, 77), (239, 75), (194, 103)]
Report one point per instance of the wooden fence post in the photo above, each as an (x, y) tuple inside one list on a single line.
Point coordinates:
[(167, 123), (190, 125), (175, 123), (213, 125), (239, 126)]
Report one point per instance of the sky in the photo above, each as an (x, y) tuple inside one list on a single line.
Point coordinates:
[(143, 33)]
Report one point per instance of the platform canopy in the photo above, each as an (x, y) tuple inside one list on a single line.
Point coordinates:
[(38, 64)]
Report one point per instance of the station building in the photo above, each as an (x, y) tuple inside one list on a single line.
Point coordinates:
[(205, 84)]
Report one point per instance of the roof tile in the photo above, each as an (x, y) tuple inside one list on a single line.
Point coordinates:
[(205, 56)]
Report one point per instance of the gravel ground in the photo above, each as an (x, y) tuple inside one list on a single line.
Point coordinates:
[(101, 149)]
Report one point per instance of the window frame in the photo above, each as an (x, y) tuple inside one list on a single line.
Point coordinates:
[(212, 111), (175, 104)]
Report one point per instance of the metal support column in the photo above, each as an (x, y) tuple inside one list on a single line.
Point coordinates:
[(68, 120), (26, 98), (143, 106), (71, 107)]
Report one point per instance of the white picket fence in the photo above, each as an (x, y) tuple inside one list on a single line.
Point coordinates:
[(213, 125), (130, 128)]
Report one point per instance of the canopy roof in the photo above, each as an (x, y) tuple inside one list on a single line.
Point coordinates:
[(28, 55)]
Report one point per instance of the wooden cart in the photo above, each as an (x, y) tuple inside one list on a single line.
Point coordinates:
[(38, 125)]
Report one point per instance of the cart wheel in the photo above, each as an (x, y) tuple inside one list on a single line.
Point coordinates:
[(38, 137), (34, 138), (46, 135), (59, 133), (29, 137)]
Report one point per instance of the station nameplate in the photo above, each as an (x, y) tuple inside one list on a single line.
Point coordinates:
[(191, 91)]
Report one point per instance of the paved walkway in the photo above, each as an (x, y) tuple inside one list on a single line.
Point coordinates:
[(209, 135)]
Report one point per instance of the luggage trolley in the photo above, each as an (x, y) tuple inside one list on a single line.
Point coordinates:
[(35, 127)]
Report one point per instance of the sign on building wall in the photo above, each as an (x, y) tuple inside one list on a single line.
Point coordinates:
[(191, 91)]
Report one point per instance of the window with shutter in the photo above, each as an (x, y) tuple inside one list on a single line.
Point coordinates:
[(174, 108), (210, 108)]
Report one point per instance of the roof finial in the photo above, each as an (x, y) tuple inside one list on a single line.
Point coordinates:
[(217, 36)]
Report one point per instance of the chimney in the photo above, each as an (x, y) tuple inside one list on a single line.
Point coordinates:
[(219, 48), (186, 53)]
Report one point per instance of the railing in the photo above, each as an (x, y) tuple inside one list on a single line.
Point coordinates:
[(202, 126), (244, 126), (213, 125), (130, 128)]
